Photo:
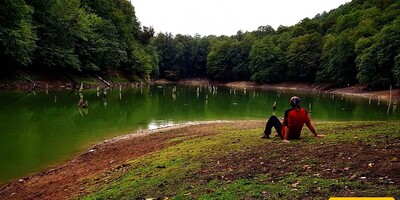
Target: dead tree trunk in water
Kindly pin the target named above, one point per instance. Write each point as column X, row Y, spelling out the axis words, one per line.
column 33, row 83
column 104, row 81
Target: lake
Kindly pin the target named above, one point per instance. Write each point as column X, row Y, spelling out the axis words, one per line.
column 42, row 129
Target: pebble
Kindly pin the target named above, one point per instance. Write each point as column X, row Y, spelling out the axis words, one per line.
column 353, row 176
column 295, row 184
column 306, row 167
column 316, row 175
column 91, row 150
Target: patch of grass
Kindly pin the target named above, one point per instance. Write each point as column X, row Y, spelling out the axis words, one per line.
column 178, row 139
column 289, row 187
column 363, row 131
column 239, row 189
column 301, row 187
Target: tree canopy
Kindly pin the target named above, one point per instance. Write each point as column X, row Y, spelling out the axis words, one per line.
column 358, row 42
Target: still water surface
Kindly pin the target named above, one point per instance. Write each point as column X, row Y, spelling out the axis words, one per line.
column 41, row 129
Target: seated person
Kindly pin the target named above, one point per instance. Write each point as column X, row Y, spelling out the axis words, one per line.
column 292, row 124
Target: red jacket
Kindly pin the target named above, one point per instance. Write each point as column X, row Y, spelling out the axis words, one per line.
column 294, row 119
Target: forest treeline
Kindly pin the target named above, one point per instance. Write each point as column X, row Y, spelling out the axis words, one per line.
column 358, row 42
column 72, row 36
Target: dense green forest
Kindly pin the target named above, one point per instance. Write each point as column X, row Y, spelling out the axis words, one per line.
column 359, row 42
column 71, row 36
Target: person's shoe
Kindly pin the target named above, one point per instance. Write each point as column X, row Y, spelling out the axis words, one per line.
column 265, row 136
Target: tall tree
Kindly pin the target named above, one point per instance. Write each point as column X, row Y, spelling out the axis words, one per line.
column 219, row 64
column 376, row 63
column 262, row 31
column 185, row 54
column 165, row 46
column 303, row 57
column 200, row 61
column 338, row 60
column 240, row 58
column 307, row 26
column 182, row 56
column 228, row 59
column 121, row 13
column 133, row 39
column 101, row 49
column 266, row 62
column 61, row 23
column 17, row 35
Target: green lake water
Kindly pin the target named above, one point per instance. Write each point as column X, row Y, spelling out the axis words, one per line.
column 42, row 129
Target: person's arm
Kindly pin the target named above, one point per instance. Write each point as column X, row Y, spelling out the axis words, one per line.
column 286, row 136
column 312, row 129
column 286, row 124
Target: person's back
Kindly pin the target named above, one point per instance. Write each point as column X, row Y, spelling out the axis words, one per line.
column 296, row 118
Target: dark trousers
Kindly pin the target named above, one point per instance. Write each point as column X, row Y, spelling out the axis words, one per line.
column 273, row 121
